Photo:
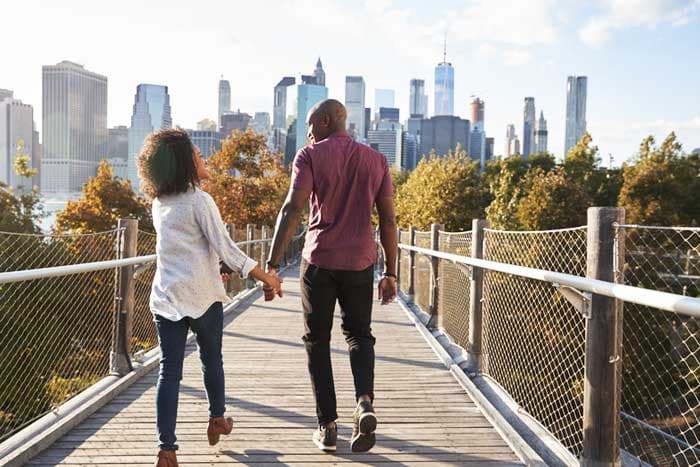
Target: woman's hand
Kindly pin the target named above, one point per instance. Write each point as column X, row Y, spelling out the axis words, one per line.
column 272, row 284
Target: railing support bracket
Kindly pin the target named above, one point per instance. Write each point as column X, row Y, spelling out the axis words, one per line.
column 581, row 301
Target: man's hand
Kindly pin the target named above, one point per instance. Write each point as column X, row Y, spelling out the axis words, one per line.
column 225, row 277
column 269, row 289
column 387, row 290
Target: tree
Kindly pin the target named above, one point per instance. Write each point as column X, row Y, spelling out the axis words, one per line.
column 552, row 201
column 105, row 199
column 506, row 193
column 661, row 187
column 445, row 190
column 21, row 210
column 248, row 182
column 582, row 164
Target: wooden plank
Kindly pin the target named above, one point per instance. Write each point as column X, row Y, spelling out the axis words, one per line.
column 425, row 417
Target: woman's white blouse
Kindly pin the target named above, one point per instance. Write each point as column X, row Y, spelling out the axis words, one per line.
column 191, row 237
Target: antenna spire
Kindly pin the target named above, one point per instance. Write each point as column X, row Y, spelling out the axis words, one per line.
column 444, row 49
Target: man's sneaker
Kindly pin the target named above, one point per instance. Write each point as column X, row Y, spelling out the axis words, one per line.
column 364, row 424
column 325, row 438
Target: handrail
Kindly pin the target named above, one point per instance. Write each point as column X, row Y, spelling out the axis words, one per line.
column 646, row 297
column 56, row 271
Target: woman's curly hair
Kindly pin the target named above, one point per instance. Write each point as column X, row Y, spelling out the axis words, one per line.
column 166, row 163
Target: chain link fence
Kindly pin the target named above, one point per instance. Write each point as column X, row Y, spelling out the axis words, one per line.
column 453, row 290
column 144, row 335
column 660, row 419
column 422, row 272
column 55, row 332
column 405, row 237
column 533, row 339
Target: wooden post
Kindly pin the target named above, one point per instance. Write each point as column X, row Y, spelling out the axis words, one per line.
column 119, row 356
column 263, row 253
column 411, row 265
column 476, row 293
column 231, row 228
column 398, row 259
column 603, row 371
column 250, row 236
column 434, row 264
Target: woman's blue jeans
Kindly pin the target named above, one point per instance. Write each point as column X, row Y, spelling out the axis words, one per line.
column 172, row 336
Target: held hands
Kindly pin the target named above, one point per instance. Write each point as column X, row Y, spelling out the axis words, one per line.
column 387, row 290
column 272, row 285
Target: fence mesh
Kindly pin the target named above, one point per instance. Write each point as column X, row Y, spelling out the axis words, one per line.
column 453, row 290
column 55, row 332
column 533, row 339
column 405, row 237
column 422, row 272
column 144, row 335
column 660, row 405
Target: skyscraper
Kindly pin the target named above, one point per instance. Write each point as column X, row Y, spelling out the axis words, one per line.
column 529, row 116
column 510, row 137
column 444, row 86
column 409, row 151
column 224, row 98
column 477, row 108
column 232, row 121
column 391, row 114
column 490, row 142
column 74, row 126
column 576, row 92
column 308, row 95
column 151, row 112
column 206, row 124
column 208, row 141
column 118, row 142
column 541, row 135
column 368, row 120
column 418, row 102
column 16, row 135
column 355, row 105
column 319, row 73
column 279, row 112
column 387, row 138
column 261, row 122
column 383, row 98
column 443, row 133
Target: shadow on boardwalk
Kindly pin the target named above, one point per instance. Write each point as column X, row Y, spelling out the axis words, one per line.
column 425, row 416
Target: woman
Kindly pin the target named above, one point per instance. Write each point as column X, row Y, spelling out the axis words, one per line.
column 187, row 292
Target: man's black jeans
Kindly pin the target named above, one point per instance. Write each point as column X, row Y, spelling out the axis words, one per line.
column 320, row 288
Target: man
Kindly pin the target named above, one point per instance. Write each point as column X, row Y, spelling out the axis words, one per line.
column 343, row 181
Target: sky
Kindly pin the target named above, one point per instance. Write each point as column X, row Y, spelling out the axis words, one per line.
column 642, row 58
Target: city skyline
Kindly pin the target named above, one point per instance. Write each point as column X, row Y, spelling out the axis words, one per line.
column 500, row 60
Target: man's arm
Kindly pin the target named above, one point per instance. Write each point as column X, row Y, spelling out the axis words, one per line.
column 287, row 222
column 390, row 243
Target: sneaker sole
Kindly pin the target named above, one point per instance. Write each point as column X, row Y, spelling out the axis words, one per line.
column 367, row 423
column 323, row 447
column 363, row 442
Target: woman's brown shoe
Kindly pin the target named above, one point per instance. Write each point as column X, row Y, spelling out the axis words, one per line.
column 166, row 459
column 218, row 426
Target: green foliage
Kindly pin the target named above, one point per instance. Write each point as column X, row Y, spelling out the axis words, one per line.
column 442, row 189
column 503, row 209
column 553, row 200
column 661, row 186
column 21, row 210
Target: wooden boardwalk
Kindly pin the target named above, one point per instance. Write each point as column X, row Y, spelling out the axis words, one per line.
column 425, row 417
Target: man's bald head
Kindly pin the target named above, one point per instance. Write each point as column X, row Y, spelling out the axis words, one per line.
column 325, row 118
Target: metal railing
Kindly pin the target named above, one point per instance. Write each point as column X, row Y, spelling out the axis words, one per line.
column 549, row 329
column 75, row 308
